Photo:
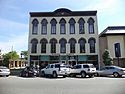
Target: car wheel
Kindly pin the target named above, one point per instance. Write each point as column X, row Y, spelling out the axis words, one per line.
column 54, row 74
column 96, row 75
column 7, row 75
column 64, row 76
column 91, row 75
column 116, row 74
column 42, row 74
column 83, row 74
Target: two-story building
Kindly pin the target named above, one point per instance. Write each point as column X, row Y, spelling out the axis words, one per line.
column 63, row 36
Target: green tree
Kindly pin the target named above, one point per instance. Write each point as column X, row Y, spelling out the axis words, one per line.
column 10, row 55
column 25, row 54
column 107, row 60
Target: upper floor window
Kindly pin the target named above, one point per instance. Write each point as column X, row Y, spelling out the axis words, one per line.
column 34, row 43
column 82, row 43
column 53, row 26
column 62, row 26
column 53, row 45
column 81, row 26
column 44, row 26
column 92, row 42
column 72, row 43
column 62, row 45
column 35, row 26
column 91, row 25
column 43, row 45
column 117, row 50
column 72, row 26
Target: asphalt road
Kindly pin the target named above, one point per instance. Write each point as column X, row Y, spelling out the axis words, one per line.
column 96, row 85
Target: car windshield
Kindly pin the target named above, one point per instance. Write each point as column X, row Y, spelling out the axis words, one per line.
column 1, row 67
column 117, row 67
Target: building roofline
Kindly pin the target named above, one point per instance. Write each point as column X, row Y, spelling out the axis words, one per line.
column 103, row 33
column 63, row 12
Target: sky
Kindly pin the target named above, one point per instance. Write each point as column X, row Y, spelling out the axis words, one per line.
column 14, row 17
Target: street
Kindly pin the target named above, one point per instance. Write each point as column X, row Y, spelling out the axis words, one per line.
column 96, row 85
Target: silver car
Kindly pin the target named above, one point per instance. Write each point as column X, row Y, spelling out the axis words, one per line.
column 4, row 71
column 111, row 70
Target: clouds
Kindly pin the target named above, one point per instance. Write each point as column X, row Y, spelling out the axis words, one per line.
column 10, row 28
column 13, row 34
column 14, row 15
column 19, row 43
column 102, row 5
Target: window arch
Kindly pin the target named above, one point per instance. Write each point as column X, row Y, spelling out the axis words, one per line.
column 62, row 26
column 53, row 45
column 53, row 26
column 91, row 25
column 117, row 50
column 81, row 26
column 72, row 26
column 34, row 43
column 43, row 45
column 92, row 42
column 82, row 43
column 72, row 43
column 62, row 45
column 35, row 26
column 44, row 26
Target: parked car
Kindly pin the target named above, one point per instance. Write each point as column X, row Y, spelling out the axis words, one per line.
column 4, row 71
column 111, row 70
column 28, row 72
column 55, row 70
column 83, row 70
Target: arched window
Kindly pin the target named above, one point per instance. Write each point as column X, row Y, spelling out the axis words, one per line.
column 34, row 43
column 62, row 26
column 62, row 45
column 72, row 26
column 117, row 50
column 92, row 42
column 82, row 43
column 43, row 45
column 91, row 25
column 53, row 45
column 44, row 26
column 53, row 26
column 81, row 26
column 72, row 42
column 35, row 26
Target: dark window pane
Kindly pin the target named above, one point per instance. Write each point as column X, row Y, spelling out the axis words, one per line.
column 85, row 66
column 117, row 50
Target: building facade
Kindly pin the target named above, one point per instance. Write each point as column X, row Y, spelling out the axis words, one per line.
column 113, row 39
column 17, row 64
column 63, row 36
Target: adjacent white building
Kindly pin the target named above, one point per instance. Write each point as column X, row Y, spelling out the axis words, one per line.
column 113, row 39
column 63, row 35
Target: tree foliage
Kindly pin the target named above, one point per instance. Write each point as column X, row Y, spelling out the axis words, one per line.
column 107, row 60
column 10, row 55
